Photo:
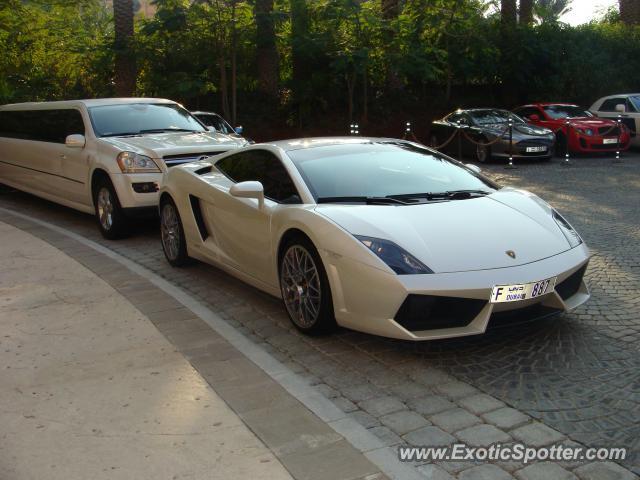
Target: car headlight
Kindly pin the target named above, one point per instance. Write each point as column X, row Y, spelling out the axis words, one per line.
column 585, row 131
column 398, row 259
column 571, row 235
column 130, row 162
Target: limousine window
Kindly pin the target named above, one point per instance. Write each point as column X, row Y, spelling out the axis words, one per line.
column 141, row 118
column 41, row 125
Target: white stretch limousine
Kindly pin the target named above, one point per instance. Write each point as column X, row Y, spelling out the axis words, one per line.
column 103, row 156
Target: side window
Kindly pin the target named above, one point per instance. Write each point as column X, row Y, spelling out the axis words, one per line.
column 630, row 106
column 41, row 125
column 528, row 111
column 264, row 167
column 610, row 104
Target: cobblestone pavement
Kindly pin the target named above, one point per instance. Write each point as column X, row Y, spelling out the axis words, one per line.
column 575, row 378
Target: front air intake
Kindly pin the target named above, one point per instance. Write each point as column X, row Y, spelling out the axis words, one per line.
column 428, row 312
column 570, row 286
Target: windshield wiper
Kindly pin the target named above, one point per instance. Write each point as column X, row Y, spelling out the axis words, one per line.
column 367, row 200
column 448, row 195
column 123, row 134
column 163, row 130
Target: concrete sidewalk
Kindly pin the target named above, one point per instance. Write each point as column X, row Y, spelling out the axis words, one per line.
column 89, row 389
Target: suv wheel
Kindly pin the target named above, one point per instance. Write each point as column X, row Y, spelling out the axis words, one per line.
column 112, row 221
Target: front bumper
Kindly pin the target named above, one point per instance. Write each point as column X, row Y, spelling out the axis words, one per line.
column 371, row 301
column 502, row 149
column 593, row 144
column 126, row 186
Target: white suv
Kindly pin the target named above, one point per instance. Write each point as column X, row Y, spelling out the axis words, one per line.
column 103, row 156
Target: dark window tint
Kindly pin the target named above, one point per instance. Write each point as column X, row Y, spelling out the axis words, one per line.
column 528, row 111
column 264, row 167
column 215, row 121
column 610, row 105
column 41, row 125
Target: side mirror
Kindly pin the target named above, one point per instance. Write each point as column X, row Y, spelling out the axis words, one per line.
column 534, row 117
column 249, row 189
column 75, row 141
column 473, row 167
column 239, row 129
column 621, row 108
column 211, row 128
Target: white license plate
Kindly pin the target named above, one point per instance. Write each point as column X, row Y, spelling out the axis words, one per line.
column 536, row 149
column 524, row 291
column 609, row 141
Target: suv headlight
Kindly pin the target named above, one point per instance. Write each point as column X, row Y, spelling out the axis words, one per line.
column 130, row 162
column 571, row 235
column 398, row 259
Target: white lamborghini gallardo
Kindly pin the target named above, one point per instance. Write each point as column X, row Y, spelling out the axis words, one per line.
column 378, row 235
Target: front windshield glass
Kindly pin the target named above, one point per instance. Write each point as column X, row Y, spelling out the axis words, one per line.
column 493, row 117
column 381, row 169
column 216, row 121
column 140, row 118
column 565, row 111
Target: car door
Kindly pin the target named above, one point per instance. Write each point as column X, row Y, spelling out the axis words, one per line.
column 74, row 161
column 242, row 228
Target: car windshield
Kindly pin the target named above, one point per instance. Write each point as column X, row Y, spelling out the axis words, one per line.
column 493, row 117
column 382, row 169
column 565, row 111
column 216, row 121
column 140, row 118
column 635, row 100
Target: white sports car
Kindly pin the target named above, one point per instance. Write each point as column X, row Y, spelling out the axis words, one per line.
column 378, row 235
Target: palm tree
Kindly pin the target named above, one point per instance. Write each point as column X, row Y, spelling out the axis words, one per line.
column 630, row 12
column 125, row 68
column 550, row 11
column 526, row 12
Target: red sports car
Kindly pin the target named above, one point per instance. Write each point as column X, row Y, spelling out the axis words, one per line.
column 586, row 132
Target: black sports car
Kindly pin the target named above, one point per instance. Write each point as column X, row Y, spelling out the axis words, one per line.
column 484, row 133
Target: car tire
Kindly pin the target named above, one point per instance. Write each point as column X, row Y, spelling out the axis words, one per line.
column 483, row 152
column 174, row 243
column 111, row 219
column 305, row 288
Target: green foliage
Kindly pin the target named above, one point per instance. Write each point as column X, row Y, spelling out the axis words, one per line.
column 334, row 57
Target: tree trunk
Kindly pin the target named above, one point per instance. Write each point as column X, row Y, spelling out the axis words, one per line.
column 526, row 12
column 234, row 62
column 224, row 88
column 266, row 50
column 390, row 12
column 125, row 64
column 630, row 11
column 300, row 61
column 508, row 12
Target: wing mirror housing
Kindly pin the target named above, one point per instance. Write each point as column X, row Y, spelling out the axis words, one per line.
column 75, row 141
column 621, row 108
column 249, row 189
column 534, row 117
column 473, row 167
column 239, row 129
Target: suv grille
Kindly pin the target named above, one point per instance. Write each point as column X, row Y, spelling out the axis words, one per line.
column 173, row 160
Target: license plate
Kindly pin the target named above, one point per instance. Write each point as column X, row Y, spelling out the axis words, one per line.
column 536, row 149
column 609, row 141
column 524, row 291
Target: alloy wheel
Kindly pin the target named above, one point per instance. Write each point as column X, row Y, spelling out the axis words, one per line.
column 105, row 208
column 300, row 284
column 170, row 231
column 482, row 153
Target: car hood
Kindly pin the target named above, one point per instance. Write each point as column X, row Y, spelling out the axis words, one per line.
column 461, row 235
column 157, row 145
column 590, row 122
column 519, row 130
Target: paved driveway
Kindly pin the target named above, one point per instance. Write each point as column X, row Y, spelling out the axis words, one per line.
column 572, row 378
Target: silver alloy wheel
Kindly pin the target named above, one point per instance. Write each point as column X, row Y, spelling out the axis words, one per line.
column 300, row 284
column 105, row 208
column 482, row 153
column 170, row 231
